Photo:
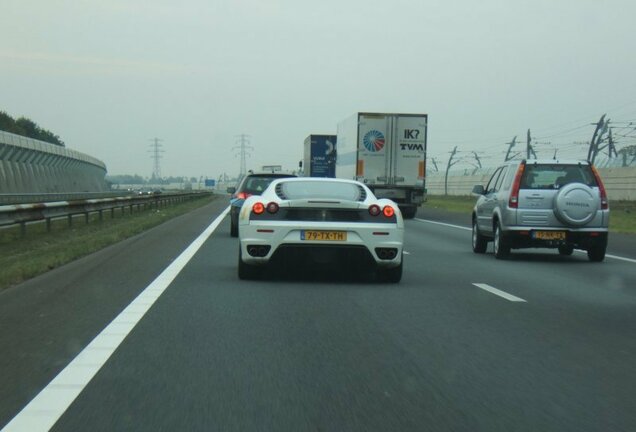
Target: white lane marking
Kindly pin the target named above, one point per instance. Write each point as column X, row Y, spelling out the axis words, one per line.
column 444, row 224
column 616, row 257
column 407, row 253
column 499, row 293
column 48, row 406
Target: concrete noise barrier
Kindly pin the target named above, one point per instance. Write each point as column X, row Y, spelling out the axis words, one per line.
column 620, row 182
column 33, row 166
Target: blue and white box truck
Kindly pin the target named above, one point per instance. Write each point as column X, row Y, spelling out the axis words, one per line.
column 319, row 158
column 387, row 152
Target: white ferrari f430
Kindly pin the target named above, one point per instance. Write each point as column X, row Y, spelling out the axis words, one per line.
column 319, row 222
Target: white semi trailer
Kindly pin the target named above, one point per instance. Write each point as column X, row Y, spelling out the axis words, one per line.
column 387, row 152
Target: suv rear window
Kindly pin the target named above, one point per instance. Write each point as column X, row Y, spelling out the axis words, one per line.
column 547, row 176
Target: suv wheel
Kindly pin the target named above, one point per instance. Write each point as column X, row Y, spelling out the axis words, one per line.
column 480, row 243
column 566, row 250
column 596, row 253
column 501, row 243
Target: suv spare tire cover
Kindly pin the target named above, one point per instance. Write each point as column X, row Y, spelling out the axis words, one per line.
column 576, row 204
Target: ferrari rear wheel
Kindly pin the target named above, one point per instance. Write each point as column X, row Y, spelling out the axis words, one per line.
column 247, row 271
column 391, row 275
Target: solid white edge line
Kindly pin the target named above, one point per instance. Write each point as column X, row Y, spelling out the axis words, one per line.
column 443, row 224
column 616, row 257
column 47, row 407
column 499, row 293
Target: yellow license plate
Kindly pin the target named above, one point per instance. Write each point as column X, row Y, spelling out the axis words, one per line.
column 323, row 235
column 549, row 235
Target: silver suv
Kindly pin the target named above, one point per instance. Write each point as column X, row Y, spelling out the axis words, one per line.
column 542, row 203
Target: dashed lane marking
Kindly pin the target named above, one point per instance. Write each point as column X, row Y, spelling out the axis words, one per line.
column 499, row 293
column 443, row 224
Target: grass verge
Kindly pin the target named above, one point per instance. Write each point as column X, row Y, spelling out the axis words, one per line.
column 22, row 258
column 623, row 216
column 622, row 213
column 458, row 204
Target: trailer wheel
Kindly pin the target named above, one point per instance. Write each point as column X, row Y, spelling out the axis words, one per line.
column 408, row 212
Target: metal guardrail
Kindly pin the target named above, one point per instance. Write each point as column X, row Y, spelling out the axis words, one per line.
column 6, row 199
column 22, row 214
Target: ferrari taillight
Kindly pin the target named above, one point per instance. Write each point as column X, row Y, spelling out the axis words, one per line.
column 374, row 210
column 258, row 208
column 272, row 207
column 388, row 211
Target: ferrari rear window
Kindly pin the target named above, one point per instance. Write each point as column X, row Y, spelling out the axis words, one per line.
column 312, row 189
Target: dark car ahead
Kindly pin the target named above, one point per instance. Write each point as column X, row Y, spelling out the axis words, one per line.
column 251, row 184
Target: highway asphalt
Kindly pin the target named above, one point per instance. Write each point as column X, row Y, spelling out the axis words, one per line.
column 465, row 342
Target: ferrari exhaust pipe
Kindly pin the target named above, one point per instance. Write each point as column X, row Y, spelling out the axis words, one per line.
column 258, row 251
column 386, row 253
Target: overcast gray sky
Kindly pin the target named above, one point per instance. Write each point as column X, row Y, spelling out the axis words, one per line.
column 109, row 75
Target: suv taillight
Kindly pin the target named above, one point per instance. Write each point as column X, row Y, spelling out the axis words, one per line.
column 243, row 195
column 513, row 202
column 601, row 188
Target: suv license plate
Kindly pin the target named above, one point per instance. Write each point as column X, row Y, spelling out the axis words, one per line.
column 323, row 235
column 549, row 235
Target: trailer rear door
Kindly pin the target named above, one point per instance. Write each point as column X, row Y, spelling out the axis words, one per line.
column 409, row 152
column 373, row 148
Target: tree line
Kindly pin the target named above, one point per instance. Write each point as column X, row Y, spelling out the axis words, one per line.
column 27, row 128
